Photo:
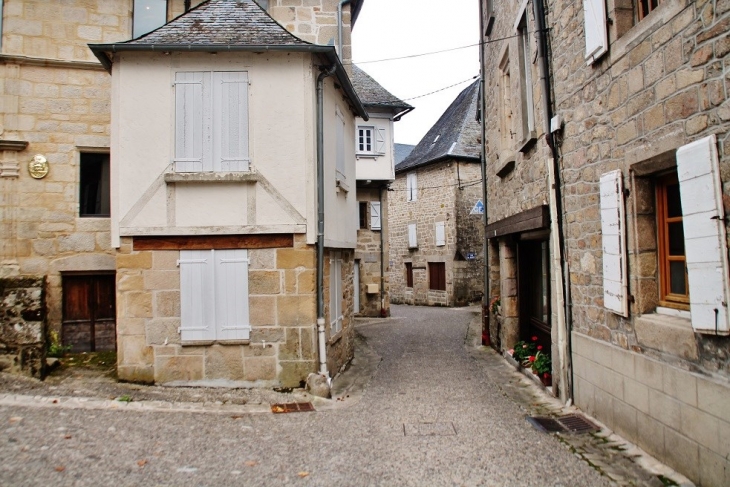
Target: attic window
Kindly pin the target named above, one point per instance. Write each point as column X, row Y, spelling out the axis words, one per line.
column 148, row 16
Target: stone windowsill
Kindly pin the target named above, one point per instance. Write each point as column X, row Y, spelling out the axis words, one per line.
column 672, row 335
column 206, row 343
column 211, row 177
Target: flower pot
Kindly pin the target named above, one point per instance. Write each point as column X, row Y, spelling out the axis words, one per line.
column 546, row 379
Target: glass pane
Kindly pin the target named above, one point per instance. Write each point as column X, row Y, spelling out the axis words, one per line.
column 674, row 203
column 677, row 284
column 148, row 15
column 676, row 238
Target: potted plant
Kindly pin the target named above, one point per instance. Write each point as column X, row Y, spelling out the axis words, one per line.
column 523, row 351
column 495, row 305
column 542, row 367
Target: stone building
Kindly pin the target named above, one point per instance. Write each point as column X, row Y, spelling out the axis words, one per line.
column 436, row 233
column 376, row 155
column 639, row 115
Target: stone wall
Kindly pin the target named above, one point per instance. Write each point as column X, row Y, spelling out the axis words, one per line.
column 436, row 202
column 469, row 260
column 663, row 84
column 282, row 348
column 22, row 326
column 368, row 255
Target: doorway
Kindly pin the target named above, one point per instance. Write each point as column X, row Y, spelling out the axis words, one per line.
column 534, row 291
column 89, row 312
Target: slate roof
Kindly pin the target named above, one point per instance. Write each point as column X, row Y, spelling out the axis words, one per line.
column 221, row 22
column 456, row 135
column 372, row 94
column 402, row 151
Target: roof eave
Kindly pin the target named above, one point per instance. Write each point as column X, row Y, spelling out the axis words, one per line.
column 101, row 52
column 441, row 158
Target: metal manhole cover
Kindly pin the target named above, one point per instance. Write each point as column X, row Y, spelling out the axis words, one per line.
column 292, row 407
column 571, row 423
column 429, row 429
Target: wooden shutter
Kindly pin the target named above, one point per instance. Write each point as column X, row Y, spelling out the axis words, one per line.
column 704, row 235
column 231, row 294
column 340, row 153
column 412, row 240
column 411, row 187
column 595, row 29
column 197, row 315
column 440, row 234
column 230, row 127
column 615, row 282
column 192, row 121
column 375, row 221
column 379, row 140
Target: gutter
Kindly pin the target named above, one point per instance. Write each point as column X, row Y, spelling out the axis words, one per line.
column 483, row 162
column 383, row 313
column 102, row 51
column 404, row 112
column 556, row 212
column 322, row 339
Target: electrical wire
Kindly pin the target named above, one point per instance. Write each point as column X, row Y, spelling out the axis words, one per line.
column 463, row 185
column 439, row 90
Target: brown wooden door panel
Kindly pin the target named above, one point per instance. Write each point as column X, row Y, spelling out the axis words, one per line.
column 89, row 312
column 105, row 298
column 76, row 298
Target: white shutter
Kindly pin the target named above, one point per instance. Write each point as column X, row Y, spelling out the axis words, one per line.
column 412, row 240
column 192, row 127
column 375, row 222
column 379, row 140
column 595, row 29
column 335, row 294
column 231, row 294
column 411, row 187
column 230, row 127
column 615, row 281
column 704, row 235
column 196, row 295
column 340, row 154
column 440, row 234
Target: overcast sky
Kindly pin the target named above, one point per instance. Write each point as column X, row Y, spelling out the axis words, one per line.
column 395, row 28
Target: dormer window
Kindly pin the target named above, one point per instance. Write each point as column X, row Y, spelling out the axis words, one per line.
column 148, row 16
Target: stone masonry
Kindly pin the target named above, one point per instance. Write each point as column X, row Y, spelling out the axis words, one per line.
column 282, row 348
column 22, row 326
column 368, row 255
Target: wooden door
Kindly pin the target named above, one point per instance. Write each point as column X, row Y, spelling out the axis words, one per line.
column 89, row 312
column 534, row 291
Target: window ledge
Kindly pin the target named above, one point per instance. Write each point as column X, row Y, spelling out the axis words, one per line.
column 366, row 155
column 205, row 343
column 528, row 142
column 211, row 177
column 342, row 185
column 669, row 334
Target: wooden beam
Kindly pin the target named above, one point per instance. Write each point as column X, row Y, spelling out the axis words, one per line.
column 533, row 219
column 217, row 242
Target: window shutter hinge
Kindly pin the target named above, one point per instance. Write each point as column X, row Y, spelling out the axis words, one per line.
column 179, row 330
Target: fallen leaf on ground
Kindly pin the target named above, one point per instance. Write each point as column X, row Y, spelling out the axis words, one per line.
column 251, row 463
column 141, row 463
column 303, row 474
column 15, row 419
column 60, row 469
column 67, row 437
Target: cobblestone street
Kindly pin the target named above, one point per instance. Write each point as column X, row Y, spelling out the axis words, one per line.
column 438, row 410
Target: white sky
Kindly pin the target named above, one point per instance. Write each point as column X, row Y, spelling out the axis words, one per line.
column 394, row 28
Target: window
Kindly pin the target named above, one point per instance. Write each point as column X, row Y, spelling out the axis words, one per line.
column 645, row 7
column 214, row 295
column 528, row 110
column 440, row 234
column 148, row 15
column 505, row 92
column 489, row 18
column 375, row 220
column 412, row 238
column 94, row 185
column 409, row 274
column 336, row 316
column 437, row 276
column 340, row 125
column 365, row 140
column 211, row 121
column 363, row 214
column 411, row 187
column 670, row 231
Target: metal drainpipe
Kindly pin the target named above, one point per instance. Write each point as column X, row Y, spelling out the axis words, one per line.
column 539, row 11
column 383, row 314
column 320, row 221
column 339, row 26
column 483, row 161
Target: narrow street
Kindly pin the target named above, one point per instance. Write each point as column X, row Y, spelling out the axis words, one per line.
column 433, row 414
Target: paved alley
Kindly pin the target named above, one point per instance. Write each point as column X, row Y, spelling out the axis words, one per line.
column 432, row 414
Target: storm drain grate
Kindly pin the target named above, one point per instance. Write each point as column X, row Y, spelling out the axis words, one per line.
column 571, row 423
column 429, row 429
column 292, row 407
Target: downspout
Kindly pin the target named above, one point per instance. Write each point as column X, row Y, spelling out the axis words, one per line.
column 339, row 26
column 383, row 313
column 483, row 162
column 322, row 339
column 563, row 310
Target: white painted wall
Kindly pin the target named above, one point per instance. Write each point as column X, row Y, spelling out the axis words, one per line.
column 282, row 102
column 378, row 167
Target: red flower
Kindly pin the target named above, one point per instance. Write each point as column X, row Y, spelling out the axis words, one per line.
column 532, row 358
column 546, row 375
column 539, row 347
column 534, row 339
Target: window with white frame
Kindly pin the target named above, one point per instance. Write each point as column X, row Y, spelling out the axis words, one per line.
column 211, row 121
column 336, row 314
column 411, row 187
column 365, row 140
column 214, row 295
